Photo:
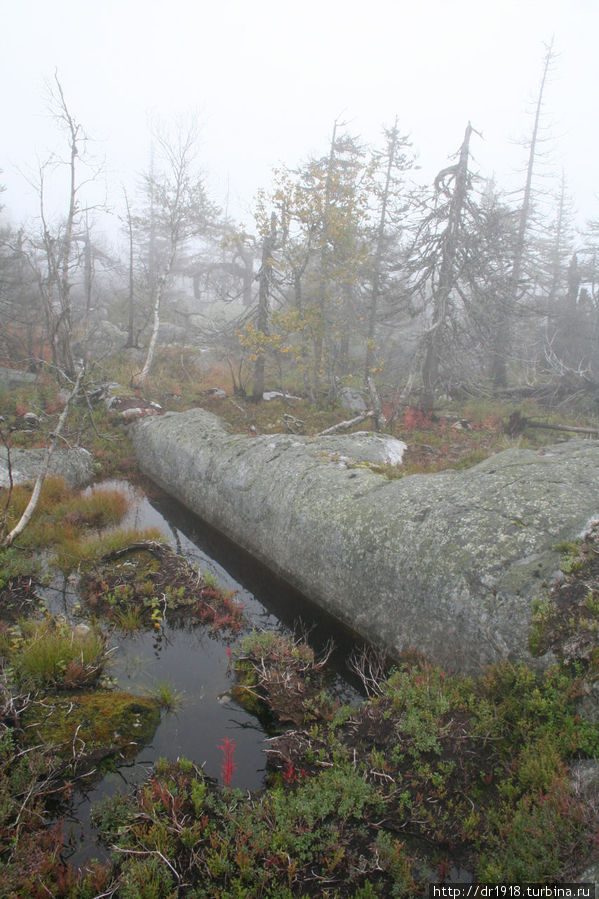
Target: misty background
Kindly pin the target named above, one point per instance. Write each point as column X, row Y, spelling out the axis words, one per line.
column 268, row 79
column 314, row 192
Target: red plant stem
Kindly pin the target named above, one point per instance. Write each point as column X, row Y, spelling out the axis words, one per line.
column 227, row 748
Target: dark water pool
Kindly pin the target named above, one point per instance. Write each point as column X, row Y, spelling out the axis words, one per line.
column 196, row 663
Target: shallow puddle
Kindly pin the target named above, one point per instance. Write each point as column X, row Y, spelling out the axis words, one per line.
column 195, row 663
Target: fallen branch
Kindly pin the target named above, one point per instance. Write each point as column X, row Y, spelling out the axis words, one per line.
column 345, row 425
column 292, row 423
column 518, row 422
column 594, row 432
column 237, row 406
column 151, row 546
column 54, row 438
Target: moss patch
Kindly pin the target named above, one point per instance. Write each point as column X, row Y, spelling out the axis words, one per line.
column 102, row 722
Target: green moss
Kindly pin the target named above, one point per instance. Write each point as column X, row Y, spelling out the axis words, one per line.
column 244, row 691
column 566, row 616
column 137, row 583
column 474, row 768
column 103, row 721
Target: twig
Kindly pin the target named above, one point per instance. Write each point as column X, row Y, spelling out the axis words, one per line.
column 370, row 666
column 147, row 852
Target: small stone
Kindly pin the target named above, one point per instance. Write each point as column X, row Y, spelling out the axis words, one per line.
column 31, row 419
column 81, row 631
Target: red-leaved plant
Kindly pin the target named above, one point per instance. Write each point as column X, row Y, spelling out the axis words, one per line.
column 228, row 768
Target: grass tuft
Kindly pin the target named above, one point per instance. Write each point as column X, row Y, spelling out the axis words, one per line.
column 50, row 653
column 167, row 696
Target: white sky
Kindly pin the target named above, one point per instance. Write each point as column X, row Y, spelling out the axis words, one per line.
column 269, row 77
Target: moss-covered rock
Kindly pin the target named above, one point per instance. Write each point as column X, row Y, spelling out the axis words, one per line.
column 100, row 722
column 446, row 563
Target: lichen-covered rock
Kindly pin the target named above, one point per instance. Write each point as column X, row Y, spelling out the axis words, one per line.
column 352, row 399
column 362, row 446
column 75, row 465
column 446, row 563
column 12, row 379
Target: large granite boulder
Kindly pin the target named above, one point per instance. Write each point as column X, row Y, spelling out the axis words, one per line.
column 75, row 465
column 446, row 563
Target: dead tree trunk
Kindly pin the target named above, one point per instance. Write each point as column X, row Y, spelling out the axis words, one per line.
column 447, row 273
column 503, row 324
column 265, row 281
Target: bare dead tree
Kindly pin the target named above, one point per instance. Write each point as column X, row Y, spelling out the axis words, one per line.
column 180, row 210
column 131, row 279
column 443, row 267
column 53, row 254
column 58, row 247
column 503, row 325
column 264, row 282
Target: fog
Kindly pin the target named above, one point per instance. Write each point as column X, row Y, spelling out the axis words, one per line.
column 456, row 252
column 268, row 79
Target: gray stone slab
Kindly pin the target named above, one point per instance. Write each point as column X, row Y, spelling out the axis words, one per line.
column 446, row 563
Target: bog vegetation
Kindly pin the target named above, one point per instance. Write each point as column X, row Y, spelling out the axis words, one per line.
column 430, row 776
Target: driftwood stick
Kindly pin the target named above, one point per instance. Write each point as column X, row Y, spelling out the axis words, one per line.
column 151, row 546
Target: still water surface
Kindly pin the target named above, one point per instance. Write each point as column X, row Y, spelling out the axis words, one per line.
column 196, row 663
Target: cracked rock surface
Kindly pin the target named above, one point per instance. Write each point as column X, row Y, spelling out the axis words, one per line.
column 446, row 563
